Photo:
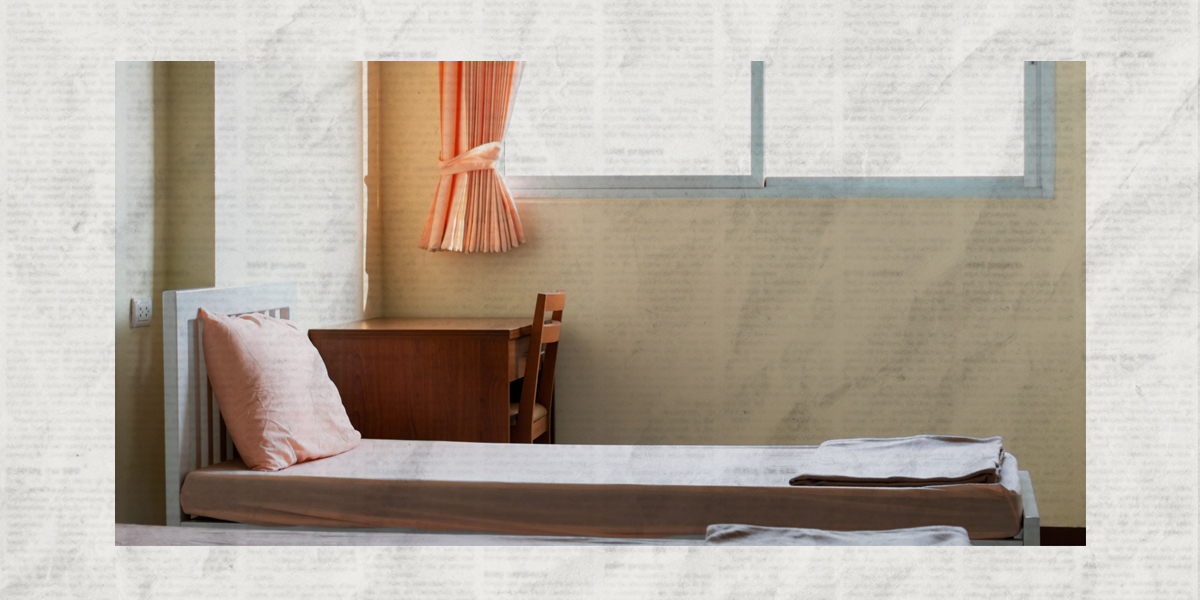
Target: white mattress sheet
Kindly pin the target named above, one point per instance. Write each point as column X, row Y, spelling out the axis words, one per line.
column 400, row 460
column 583, row 490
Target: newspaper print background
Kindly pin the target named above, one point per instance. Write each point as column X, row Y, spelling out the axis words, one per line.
column 56, row 214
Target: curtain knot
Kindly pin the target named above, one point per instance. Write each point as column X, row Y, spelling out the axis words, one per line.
column 479, row 158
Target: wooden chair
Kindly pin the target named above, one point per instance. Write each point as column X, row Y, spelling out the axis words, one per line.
column 529, row 419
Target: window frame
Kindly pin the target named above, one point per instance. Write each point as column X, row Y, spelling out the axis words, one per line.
column 1036, row 182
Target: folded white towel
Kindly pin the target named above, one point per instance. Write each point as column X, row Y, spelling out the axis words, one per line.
column 753, row 535
column 918, row 460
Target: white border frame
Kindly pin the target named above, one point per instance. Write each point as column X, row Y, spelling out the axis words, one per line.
column 1037, row 182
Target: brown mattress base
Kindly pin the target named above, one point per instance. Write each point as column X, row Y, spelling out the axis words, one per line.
column 608, row 491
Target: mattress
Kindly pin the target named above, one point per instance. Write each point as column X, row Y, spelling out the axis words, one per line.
column 580, row 490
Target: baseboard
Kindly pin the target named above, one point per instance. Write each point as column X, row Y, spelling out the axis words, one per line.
column 1064, row 536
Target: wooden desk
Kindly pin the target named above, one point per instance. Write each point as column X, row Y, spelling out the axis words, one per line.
column 427, row 379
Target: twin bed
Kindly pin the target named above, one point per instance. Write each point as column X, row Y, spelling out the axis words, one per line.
column 457, row 493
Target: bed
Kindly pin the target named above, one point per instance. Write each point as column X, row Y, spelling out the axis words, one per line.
column 525, row 493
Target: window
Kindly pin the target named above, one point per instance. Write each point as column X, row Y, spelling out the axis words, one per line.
column 721, row 176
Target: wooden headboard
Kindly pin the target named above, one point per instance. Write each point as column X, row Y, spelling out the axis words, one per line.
column 194, row 431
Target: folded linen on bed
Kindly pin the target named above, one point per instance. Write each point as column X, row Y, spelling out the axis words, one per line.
column 753, row 535
column 913, row 461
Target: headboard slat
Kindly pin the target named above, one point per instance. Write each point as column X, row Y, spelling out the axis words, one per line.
column 210, row 432
column 218, row 430
column 226, row 442
column 204, row 404
column 200, row 375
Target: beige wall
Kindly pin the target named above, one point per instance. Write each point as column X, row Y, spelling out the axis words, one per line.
column 164, row 240
column 781, row 321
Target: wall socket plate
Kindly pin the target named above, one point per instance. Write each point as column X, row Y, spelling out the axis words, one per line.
column 141, row 310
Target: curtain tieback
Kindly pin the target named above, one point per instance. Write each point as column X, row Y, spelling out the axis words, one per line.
column 479, row 158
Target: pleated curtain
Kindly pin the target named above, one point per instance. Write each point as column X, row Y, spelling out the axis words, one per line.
column 473, row 210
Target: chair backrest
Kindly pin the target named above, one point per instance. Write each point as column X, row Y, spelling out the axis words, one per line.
column 539, row 367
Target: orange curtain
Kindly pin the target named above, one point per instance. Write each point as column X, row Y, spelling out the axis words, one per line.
column 473, row 211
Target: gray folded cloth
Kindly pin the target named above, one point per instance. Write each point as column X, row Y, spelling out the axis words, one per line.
column 753, row 535
column 914, row 461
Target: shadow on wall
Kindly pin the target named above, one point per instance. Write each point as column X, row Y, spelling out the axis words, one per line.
column 164, row 240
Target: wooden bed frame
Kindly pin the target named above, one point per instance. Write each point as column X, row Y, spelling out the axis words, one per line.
column 195, row 433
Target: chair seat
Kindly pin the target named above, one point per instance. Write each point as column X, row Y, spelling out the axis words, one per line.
column 539, row 412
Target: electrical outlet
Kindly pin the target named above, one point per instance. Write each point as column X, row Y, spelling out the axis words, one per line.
column 141, row 310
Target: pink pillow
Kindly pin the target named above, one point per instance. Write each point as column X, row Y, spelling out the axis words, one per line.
column 276, row 397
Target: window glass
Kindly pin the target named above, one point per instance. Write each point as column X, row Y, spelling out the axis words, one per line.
column 893, row 108
column 581, row 116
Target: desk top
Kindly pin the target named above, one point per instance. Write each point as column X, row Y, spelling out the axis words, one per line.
column 503, row 327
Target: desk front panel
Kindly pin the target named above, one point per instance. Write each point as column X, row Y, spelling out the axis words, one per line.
column 422, row 387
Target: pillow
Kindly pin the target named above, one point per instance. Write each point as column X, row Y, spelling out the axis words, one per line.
column 275, row 395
